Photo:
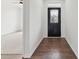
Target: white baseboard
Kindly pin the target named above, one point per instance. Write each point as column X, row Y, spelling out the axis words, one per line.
column 72, row 48
column 26, row 56
column 54, row 37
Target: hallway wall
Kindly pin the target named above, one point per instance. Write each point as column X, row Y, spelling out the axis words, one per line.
column 32, row 26
column 35, row 24
column 71, row 17
column 26, row 28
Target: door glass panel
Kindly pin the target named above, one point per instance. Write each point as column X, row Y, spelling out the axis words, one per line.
column 54, row 16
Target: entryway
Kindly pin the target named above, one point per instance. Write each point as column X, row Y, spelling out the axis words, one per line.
column 54, row 22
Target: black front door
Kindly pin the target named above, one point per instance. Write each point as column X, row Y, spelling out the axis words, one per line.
column 54, row 22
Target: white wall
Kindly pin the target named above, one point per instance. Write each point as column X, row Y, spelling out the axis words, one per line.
column 35, row 23
column 26, row 28
column 52, row 3
column 11, row 16
column 71, row 17
column 32, row 26
column 3, row 17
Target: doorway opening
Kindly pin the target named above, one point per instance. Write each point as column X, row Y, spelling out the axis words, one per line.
column 12, row 27
column 54, row 22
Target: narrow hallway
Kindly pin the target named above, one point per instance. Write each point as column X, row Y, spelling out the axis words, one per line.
column 56, row 48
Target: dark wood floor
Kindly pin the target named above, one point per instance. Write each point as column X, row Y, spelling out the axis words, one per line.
column 56, row 48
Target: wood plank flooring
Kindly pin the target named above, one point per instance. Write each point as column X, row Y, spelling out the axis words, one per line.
column 56, row 48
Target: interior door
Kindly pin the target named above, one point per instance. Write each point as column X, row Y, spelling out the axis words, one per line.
column 54, row 22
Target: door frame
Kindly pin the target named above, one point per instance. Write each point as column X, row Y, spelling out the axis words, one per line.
column 59, row 8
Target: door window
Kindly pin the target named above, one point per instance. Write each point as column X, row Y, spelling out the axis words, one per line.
column 54, row 16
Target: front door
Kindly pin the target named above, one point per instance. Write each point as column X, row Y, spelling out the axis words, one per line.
column 54, row 22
